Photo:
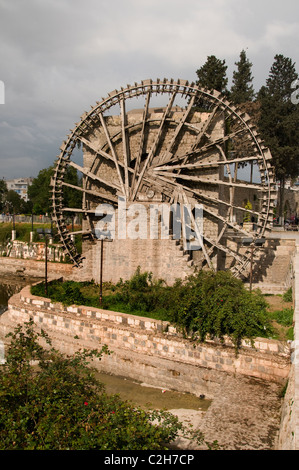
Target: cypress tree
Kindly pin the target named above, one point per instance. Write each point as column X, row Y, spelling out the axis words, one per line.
column 212, row 75
column 242, row 89
column 279, row 122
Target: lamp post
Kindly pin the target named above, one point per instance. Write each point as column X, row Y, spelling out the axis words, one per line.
column 46, row 233
column 101, row 272
column 101, row 237
column 252, row 243
column 31, row 233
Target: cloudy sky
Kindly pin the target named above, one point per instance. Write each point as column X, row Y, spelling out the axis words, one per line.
column 58, row 57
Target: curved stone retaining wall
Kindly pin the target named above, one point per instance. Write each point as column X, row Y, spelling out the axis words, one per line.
column 147, row 350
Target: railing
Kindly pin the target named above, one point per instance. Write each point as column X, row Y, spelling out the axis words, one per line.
column 37, row 219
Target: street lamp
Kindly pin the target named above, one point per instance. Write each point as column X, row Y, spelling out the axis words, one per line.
column 46, row 233
column 252, row 243
column 107, row 238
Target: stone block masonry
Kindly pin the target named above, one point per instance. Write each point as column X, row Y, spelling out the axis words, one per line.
column 147, row 350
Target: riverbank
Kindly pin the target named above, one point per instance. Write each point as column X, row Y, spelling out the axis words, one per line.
column 29, row 268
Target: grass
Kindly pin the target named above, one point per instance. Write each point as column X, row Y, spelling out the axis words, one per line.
column 281, row 313
column 23, row 233
column 88, row 293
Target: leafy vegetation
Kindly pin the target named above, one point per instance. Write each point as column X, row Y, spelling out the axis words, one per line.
column 60, row 405
column 38, row 191
column 288, row 295
column 208, row 304
column 22, row 229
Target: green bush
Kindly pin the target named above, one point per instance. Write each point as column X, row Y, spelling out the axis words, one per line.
column 58, row 404
column 218, row 305
column 208, row 304
column 140, row 293
column 68, row 292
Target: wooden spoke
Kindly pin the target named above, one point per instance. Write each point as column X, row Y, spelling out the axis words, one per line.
column 93, row 176
column 126, row 149
column 115, row 159
column 155, row 145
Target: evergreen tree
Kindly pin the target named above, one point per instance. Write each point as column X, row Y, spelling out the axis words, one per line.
column 212, row 75
column 242, row 89
column 39, row 190
column 3, row 192
column 279, row 122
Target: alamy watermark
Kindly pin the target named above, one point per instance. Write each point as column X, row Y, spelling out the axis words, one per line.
column 155, row 221
column 2, row 92
column 295, row 94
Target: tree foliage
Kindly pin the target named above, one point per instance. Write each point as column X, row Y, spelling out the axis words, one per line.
column 212, row 75
column 217, row 305
column 13, row 203
column 58, row 404
column 279, row 120
column 242, row 88
column 3, row 192
column 39, row 190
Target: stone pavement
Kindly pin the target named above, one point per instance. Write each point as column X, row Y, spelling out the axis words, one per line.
column 244, row 415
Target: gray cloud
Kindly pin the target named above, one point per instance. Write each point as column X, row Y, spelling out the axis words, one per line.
column 58, row 57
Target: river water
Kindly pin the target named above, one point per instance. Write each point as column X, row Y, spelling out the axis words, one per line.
column 140, row 394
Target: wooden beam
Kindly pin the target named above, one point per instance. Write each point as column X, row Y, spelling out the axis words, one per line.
column 199, row 179
column 178, row 130
column 142, row 138
column 210, row 164
column 155, row 144
column 91, row 192
column 125, row 144
column 93, row 176
column 115, row 159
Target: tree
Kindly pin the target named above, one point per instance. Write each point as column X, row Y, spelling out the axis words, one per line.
column 13, row 203
column 58, row 404
column 72, row 197
column 212, row 75
column 242, row 89
column 39, row 190
column 3, row 192
column 279, row 121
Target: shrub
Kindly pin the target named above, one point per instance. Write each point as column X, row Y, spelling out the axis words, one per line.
column 60, row 405
column 218, row 305
column 207, row 304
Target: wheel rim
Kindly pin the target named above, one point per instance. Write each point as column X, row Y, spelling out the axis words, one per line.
column 210, row 172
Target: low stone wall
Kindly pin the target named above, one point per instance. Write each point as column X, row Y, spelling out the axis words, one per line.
column 148, row 350
column 36, row 268
column 33, row 251
column 289, row 428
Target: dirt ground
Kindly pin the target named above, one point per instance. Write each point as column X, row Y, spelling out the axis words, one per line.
column 276, row 302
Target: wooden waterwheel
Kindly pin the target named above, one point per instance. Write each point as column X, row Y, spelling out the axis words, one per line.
column 182, row 145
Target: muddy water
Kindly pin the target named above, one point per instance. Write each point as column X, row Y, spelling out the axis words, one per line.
column 151, row 397
column 10, row 285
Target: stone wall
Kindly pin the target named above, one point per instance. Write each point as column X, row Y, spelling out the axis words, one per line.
column 36, row 269
column 148, row 350
column 164, row 258
column 289, row 429
column 33, row 251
